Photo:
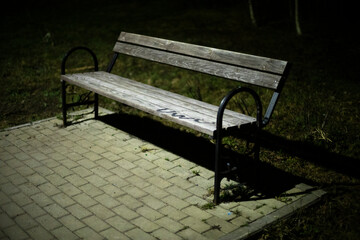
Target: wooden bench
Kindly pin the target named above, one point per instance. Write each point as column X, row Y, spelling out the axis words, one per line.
column 215, row 121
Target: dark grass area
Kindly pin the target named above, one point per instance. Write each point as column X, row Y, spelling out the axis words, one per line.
column 314, row 133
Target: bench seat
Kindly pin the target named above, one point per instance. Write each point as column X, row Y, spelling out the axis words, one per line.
column 189, row 112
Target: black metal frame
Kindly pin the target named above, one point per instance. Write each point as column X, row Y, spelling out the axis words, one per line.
column 65, row 105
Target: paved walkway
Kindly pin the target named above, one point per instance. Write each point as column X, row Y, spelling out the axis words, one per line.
column 93, row 181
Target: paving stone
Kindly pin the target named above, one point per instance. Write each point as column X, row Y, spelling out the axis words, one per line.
column 34, row 210
column 48, row 222
column 130, row 202
column 56, row 179
column 223, row 225
column 111, row 233
column 91, row 190
column 101, row 172
column 88, row 233
column 163, row 233
column 196, row 224
column 39, row 233
column 138, row 181
column 169, row 224
column 106, row 164
column 96, row 180
column 64, row 233
column 175, row 202
column 178, row 192
column 71, row 222
column 112, row 190
column 14, row 232
column 213, row 234
column 81, row 171
column 145, row 224
column 76, row 180
column 69, row 189
column 156, row 192
column 78, row 211
column 134, row 191
column 5, row 221
column 139, row 234
column 125, row 212
column 43, row 170
column 25, row 221
column 41, row 199
column 101, row 211
column 107, row 201
column 63, row 200
column 96, row 223
column 56, row 211
column 116, row 181
column 48, row 189
column 9, row 188
column 196, row 212
column 12, row 209
column 149, row 213
column 153, row 202
column 62, row 171
column 173, row 213
column 189, row 233
column 159, row 182
column 120, row 224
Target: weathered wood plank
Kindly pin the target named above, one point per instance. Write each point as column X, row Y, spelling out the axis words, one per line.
column 214, row 54
column 172, row 98
column 213, row 68
column 151, row 104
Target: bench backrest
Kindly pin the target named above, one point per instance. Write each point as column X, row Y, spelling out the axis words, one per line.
column 255, row 70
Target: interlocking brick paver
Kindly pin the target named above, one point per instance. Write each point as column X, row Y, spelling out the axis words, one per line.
column 107, row 201
column 14, row 232
column 91, row 190
column 125, row 212
column 137, row 233
column 39, row 233
column 12, row 209
column 101, row 211
column 25, row 221
column 78, row 211
column 96, row 223
column 63, row 233
column 175, row 202
column 145, row 224
column 41, row 199
column 71, row 222
column 111, row 233
column 120, row 224
column 169, row 224
column 173, row 213
column 48, row 222
column 88, row 233
column 63, row 200
column 163, row 233
column 196, row 224
column 56, row 211
column 34, row 210
column 69, row 189
column 5, row 221
column 93, row 181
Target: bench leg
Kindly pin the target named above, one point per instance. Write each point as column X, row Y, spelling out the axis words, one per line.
column 64, row 106
column 218, row 177
column 96, row 105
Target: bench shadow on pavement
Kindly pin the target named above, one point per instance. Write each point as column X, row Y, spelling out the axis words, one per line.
column 258, row 176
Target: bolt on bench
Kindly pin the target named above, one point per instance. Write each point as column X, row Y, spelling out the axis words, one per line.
column 215, row 121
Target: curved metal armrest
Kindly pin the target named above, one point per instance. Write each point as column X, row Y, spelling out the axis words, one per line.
column 227, row 98
column 96, row 68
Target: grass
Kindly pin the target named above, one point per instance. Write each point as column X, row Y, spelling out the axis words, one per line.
column 317, row 117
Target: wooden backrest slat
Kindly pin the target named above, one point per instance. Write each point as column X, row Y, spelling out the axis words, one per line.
column 213, row 54
column 232, row 72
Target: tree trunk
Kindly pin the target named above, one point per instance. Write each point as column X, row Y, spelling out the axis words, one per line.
column 297, row 23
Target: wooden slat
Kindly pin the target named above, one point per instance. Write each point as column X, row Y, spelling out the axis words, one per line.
column 213, row 68
column 214, row 54
column 172, row 99
column 123, row 92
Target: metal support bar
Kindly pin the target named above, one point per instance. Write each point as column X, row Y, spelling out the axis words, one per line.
column 65, row 106
column 219, row 134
